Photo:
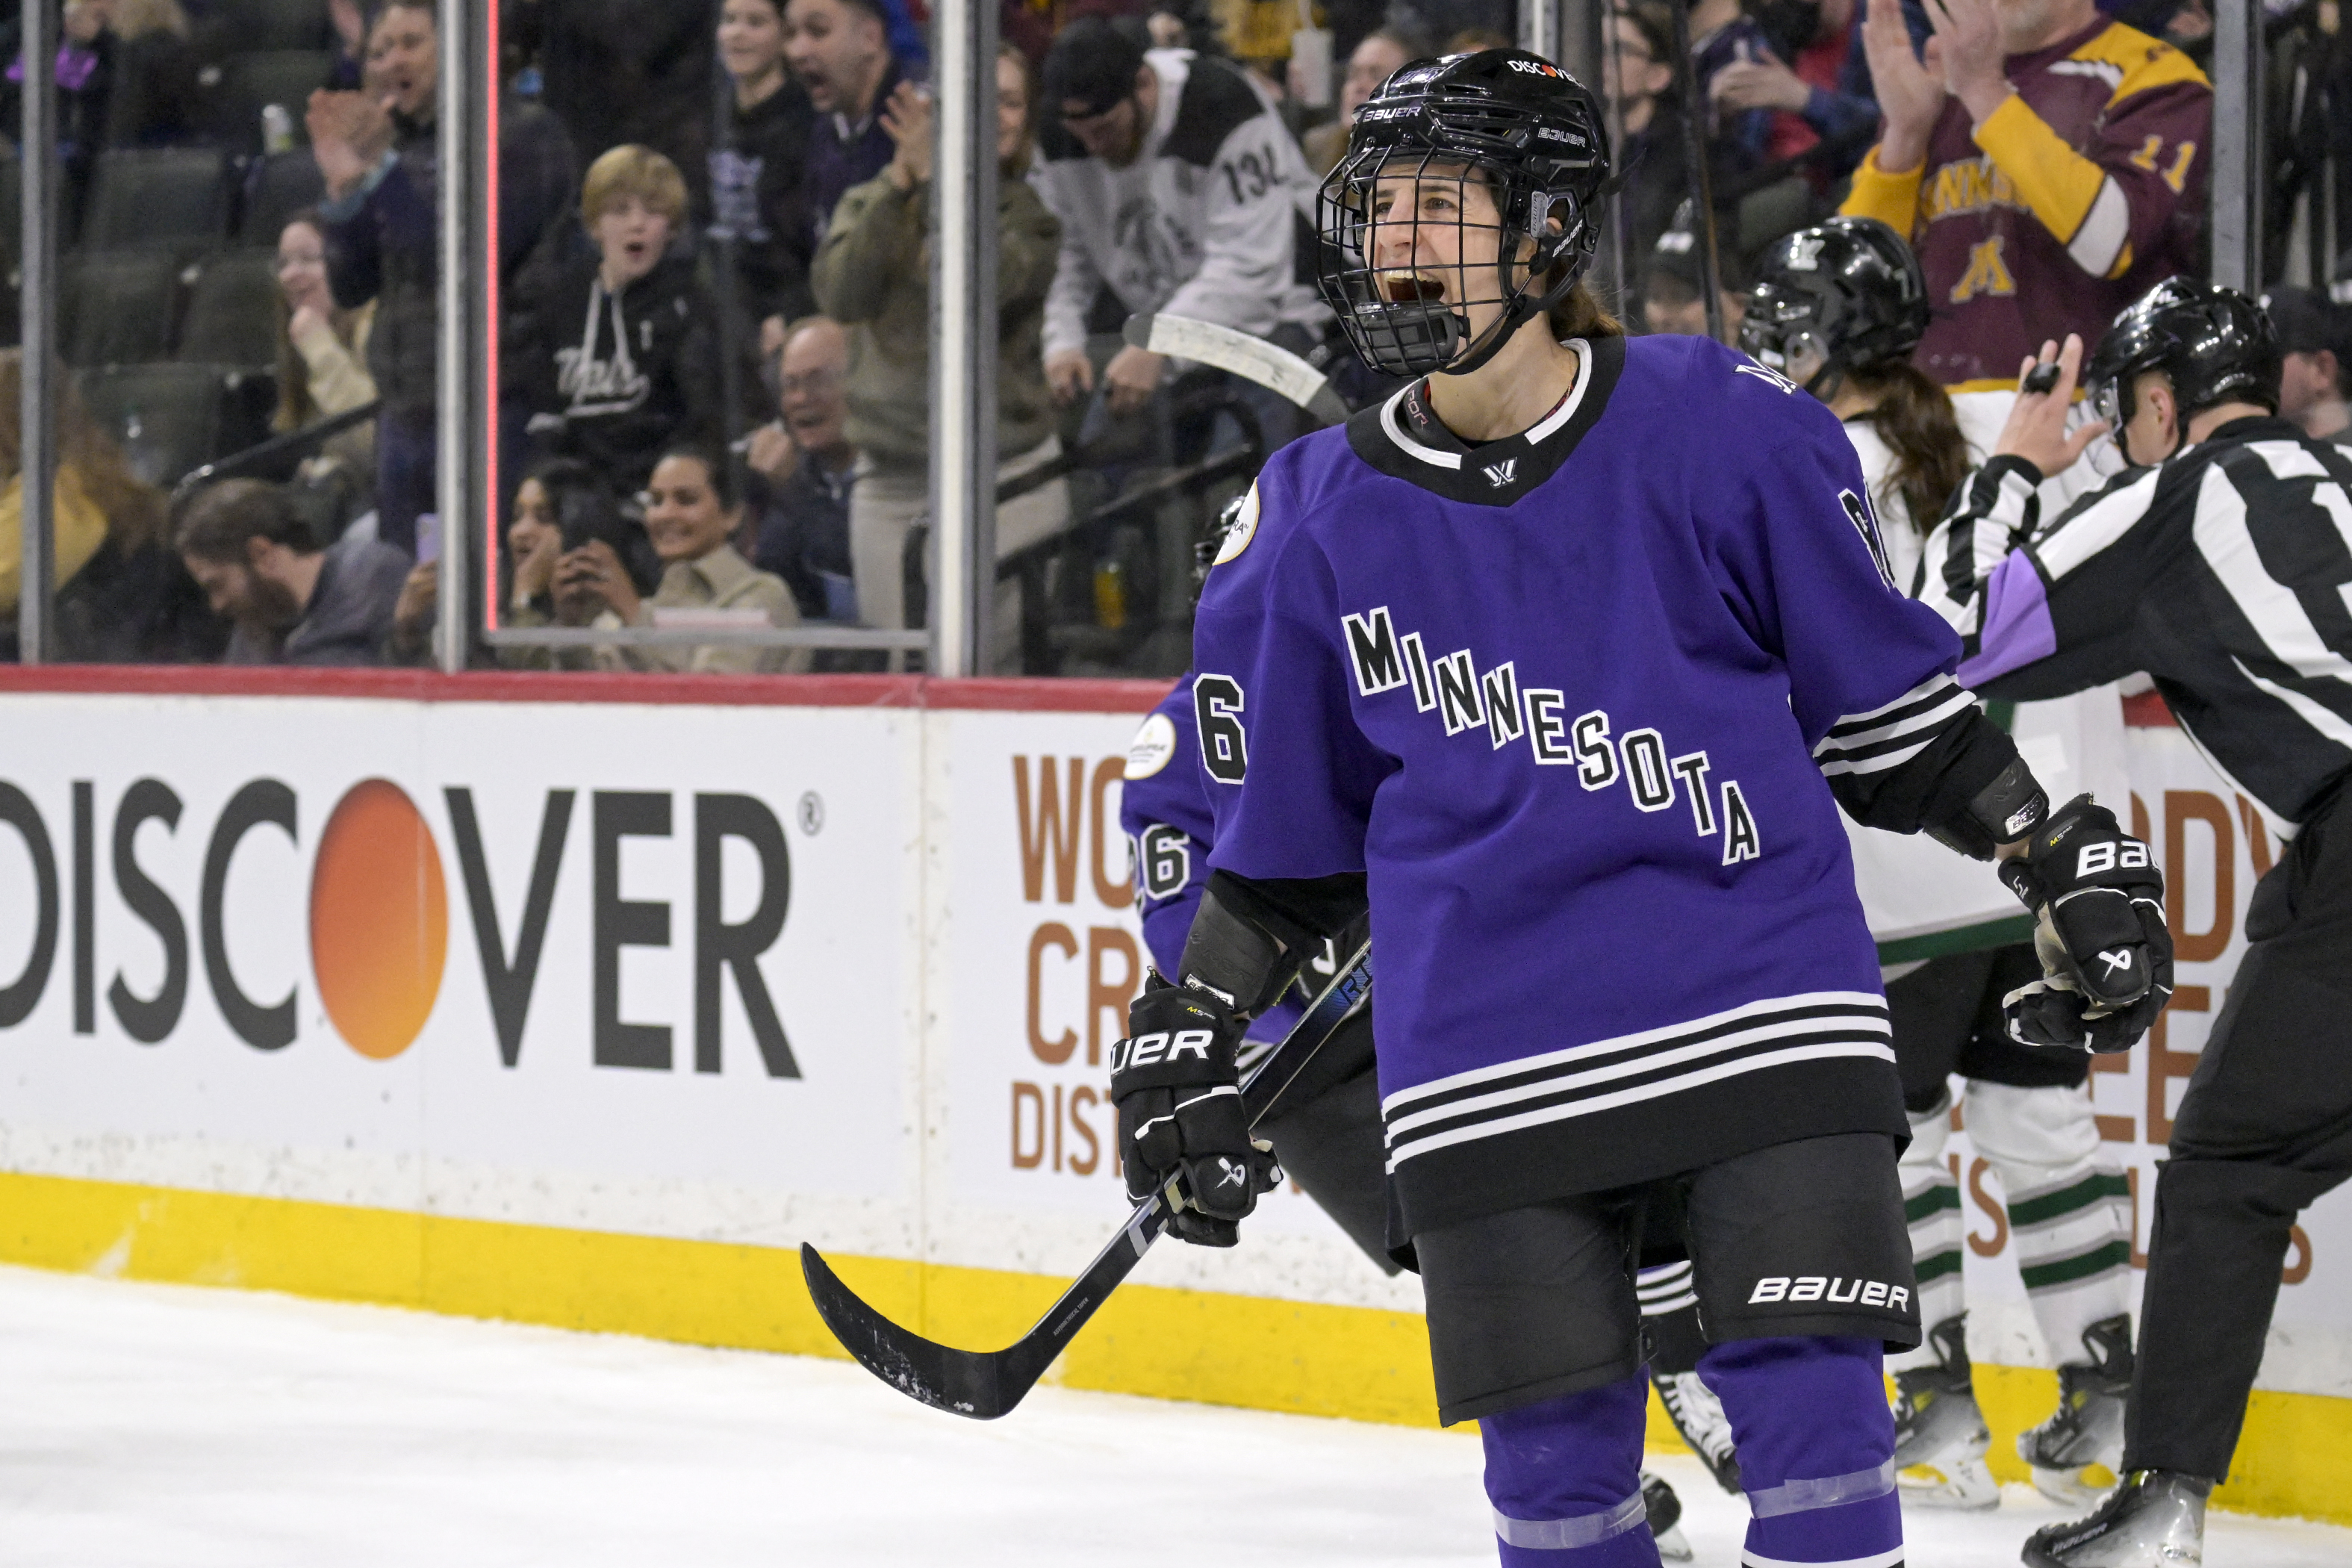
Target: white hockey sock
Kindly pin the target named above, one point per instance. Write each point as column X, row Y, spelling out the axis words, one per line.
column 2069, row 1207
column 1931, row 1205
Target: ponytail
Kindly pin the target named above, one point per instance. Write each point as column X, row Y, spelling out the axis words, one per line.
column 1914, row 417
column 1578, row 314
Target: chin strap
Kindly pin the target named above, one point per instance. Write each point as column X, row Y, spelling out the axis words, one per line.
column 1520, row 314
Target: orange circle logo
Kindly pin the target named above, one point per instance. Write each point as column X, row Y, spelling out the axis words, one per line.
column 378, row 919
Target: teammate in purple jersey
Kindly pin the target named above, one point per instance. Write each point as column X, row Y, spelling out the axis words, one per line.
column 1564, row 657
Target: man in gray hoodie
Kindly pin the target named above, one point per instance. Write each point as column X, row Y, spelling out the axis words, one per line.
column 288, row 601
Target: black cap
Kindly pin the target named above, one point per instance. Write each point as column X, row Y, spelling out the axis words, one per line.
column 2306, row 321
column 1676, row 256
column 1094, row 61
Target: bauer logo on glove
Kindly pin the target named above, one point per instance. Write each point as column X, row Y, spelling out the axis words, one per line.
column 2106, row 956
column 1181, row 1129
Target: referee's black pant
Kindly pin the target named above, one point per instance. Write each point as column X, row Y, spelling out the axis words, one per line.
column 2264, row 1129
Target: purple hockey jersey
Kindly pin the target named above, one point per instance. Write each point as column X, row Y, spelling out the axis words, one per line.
column 1568, row 700
column 1164, row 808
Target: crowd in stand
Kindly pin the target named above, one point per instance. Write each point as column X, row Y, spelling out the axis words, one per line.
column 713, row 264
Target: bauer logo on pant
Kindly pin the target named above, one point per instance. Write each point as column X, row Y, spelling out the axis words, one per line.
column 1822, row 1288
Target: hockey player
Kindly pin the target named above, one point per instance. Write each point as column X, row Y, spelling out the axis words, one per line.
column 2217, row 564
column 1564, row 656
column 2048, row 164
column 1839, row 308
column 1332, row 1146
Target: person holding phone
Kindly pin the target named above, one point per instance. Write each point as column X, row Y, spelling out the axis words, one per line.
column 692, row 512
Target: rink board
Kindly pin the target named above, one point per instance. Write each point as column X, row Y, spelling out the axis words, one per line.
column 585, row 1001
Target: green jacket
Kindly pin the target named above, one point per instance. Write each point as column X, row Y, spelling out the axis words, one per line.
column 872, row 275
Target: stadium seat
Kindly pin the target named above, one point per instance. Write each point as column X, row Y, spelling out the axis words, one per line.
column 237, row 26
column 275, row 188
column 232, row 316
column 117, row 307
column 168, row 417
column 174, row 197
column 249, row 81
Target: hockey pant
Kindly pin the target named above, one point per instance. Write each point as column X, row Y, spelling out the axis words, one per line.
column 2264, row 1129
column 1816, row 1449
column 2069, row 1211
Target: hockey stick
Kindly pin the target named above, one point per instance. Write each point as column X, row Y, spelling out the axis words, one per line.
column 985, row 1385
column 1253, row 359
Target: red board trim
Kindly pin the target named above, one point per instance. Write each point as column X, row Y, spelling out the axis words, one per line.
column 1010, row 696
column 2148, row 711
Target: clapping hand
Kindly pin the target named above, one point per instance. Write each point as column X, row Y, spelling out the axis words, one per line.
column 1968, row 49
column 907, row 120
column 1910, row 95
column 350, row 133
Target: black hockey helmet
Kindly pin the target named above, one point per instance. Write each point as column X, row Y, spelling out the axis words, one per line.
column 2213, row 343
column 1533, row 134
column 1847, row 290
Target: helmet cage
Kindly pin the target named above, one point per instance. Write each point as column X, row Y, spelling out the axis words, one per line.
column 1414, row 319
column 1782, row 324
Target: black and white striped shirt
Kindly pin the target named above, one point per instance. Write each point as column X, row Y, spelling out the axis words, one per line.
column 2224, row 572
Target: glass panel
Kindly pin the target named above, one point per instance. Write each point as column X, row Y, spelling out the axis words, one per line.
column 683, row 435
column 246, row 266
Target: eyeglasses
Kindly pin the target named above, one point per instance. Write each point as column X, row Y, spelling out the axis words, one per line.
column 816, row 383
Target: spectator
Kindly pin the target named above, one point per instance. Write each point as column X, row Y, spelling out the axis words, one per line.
column 288, row 601
column 120, row 596
column 623, row 73
column 874, row 275
column 1383, row 52
column 1723, row 35
column 756, row 202
column 1177, row 190
column 1655, row 164
column 840, row 51
column 2315, row 350
column 152, row 98
column 644, row 371
column 803, row 472
column 321, row 347
column 692, row 512
column 557, row 500
column 1822, row 95
column 1671, row 298
column 2097, row 129
column 125, row 79
column 375, row 150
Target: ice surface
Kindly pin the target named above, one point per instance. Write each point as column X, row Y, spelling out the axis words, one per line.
column 170, row 1425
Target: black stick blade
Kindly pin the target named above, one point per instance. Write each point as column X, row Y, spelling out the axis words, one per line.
column 959, row 1382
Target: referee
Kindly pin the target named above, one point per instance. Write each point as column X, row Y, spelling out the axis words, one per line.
column 2220, row 562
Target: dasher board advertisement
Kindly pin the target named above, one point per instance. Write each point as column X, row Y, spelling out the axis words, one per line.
column 627, row 968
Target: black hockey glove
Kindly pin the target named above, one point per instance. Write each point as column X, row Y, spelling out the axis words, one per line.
column 2107, row 957
column 1180, row 1113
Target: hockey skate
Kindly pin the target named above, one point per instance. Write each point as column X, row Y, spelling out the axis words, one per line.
column 1665, row 1512
column 1940, row 1436
column 2087, row 1429
column 2154, row 1519
column 1698, row 1416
